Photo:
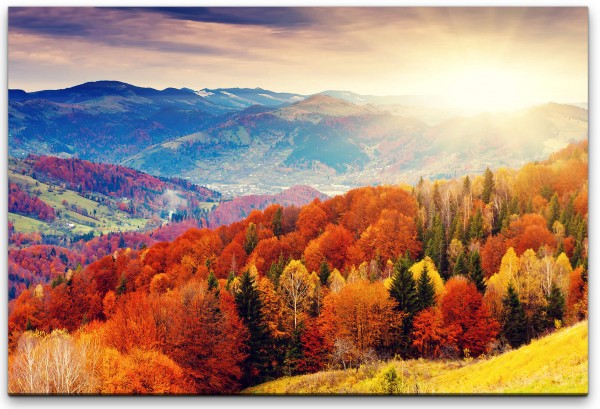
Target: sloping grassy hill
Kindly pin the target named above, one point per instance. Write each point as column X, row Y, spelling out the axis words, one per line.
column 104, row 220
column 556, row 364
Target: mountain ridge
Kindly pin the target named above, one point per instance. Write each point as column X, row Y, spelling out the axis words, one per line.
column 323, row 140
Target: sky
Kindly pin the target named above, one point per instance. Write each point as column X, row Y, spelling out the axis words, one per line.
column 498, row 58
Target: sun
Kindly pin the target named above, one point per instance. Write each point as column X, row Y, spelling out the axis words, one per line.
column 485, row 87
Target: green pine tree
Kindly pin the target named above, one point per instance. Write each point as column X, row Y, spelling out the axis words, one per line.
column 403, row 291
column 436, row 245
column 514, row 320
column 249, row 307
column 230, row 279
column 466, row 186
column 425, row 290
column 488, row 186
column 461, row 267
column 121, row 242
column 501, row 219
column 277, row 222
column 295, row 351
column 122, row 286
column 276, row 270
column 476, row 272
column 251, row 238
column 324, row 272
column 403, row 288
column 457, row 229
column 476, row 226
column 213, row 283
column 556, row 306
column 553, row 211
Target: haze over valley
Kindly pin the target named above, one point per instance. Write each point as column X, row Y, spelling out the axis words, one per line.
column 254, row 141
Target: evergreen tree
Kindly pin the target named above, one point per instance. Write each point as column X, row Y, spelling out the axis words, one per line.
column 403, row 291
column 437, row 197
column 276, row 270
column 501, row 219
column 556, row 306
column 560, row 248
column 420, row 230
column 122, row 286
column 476, row 226
column 249, row 307
column 457, row 229
column 277, row 222
column 568, row 217
column 324, row 272
column 514, row 320
column 488, row 186
column 425, row 290
column 295, row 351
column 476, row 272
column 461, row 267
column 536, row 322
column 577, row 256
column 121, row 242
column 466, row 190
column 436, row 245
column 553, row 211
column 251, row 238
column 213, row 283
column 403, row 288
column 514, row 206
column 230, row 279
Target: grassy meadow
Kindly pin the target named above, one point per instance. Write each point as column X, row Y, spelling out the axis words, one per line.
column 555, row 364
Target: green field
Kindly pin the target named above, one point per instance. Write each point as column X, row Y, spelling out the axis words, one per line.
column 69, row 220
column 556, row 364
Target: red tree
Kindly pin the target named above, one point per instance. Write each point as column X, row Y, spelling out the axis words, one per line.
column 462, row 305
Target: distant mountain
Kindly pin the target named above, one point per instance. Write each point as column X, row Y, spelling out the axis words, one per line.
column 318, row 131
column 246, row 97
column 242, row 141
column 328, row 142
column 430, row 109
column 408, row 100
column 240, row 207
column 317, row 107
column 104, row 120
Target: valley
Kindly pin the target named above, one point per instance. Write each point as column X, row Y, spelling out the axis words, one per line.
column 239, row 141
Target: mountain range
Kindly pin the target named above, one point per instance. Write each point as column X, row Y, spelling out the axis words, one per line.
column 252, row 141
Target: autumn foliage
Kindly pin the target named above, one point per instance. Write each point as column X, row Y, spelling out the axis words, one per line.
column 288, row 290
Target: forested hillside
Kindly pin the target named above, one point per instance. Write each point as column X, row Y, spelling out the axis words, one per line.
column 444, row 270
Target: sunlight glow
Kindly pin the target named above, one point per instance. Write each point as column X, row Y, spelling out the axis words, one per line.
column 486, row 87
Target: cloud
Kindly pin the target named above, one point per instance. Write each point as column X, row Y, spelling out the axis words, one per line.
column 280, row 17
column 372, row 50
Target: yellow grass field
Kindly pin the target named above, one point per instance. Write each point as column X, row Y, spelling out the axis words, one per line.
column 556, row 364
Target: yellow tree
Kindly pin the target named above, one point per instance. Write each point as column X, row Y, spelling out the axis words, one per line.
column 531, row 292
column 454, row 249
column 272, row 307
column 365, row 314
column 434, row 275
column 336, row 281
column 498, row 283
column 295, row 286
column 563, row 271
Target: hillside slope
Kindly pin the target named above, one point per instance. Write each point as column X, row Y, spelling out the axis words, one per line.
column 556, row 364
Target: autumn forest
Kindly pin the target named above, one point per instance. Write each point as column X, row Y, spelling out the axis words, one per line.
column 321, row 200
column 445, row 270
